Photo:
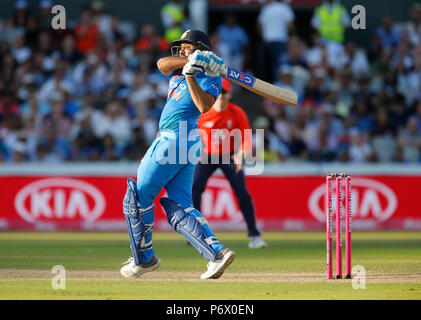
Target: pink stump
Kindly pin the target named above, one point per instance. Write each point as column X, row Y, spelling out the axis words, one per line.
column 338, row 229
column 348, row 226
column 328, row 200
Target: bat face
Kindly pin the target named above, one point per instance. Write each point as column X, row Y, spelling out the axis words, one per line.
column 261, row 87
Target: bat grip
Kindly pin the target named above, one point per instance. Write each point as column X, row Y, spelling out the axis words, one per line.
column 224, row 71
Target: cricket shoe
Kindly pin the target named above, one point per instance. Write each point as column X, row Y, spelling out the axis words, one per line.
column 131, row 270
column 257, row 243
column 216, row 268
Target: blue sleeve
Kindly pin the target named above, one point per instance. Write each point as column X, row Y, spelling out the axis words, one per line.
column 213, row 85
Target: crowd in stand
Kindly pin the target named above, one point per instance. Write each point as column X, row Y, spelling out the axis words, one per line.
column 92, row 92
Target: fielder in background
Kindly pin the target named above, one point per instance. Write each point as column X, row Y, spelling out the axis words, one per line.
column 219, row 126
column 194, row 86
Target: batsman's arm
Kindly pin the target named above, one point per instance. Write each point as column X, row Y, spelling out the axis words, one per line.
column 168, row 64
column 202, row 99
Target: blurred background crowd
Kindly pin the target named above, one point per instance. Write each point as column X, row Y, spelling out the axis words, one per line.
column 91, row 92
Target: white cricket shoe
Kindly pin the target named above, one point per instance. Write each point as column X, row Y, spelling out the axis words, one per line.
column 257, row 243
column 131, row 270
column 216, row 268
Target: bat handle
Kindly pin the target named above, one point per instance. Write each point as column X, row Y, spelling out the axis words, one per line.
column 224, row 71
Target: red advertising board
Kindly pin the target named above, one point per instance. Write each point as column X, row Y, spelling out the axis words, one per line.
column 281, row 202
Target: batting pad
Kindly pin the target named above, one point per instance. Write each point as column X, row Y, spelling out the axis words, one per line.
column 135, row 224
column 188, row 226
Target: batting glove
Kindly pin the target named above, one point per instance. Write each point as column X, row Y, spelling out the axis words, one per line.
column 199, row 58
column 191, row 69
column 216, row 64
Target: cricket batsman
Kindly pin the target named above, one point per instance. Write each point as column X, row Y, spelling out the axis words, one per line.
column 194, row 85
column 223, row 134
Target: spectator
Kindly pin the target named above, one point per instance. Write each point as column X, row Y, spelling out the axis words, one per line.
column 331, row 20
column 417, row 113
column 58, row 120
column 412, row 82
column 296, row 146
column 53, row 148
column 371, row 96
column 110, row 151
column 21, row 13
column 273, row 148
column 220, row 48
column 388, row 35
column 172, row 17
column 383, row 137
column 360, row 151
column 402, row 55
column 20, row 51
column 326, row 55
column 410, row 141
column 90, row 75
column 86, row 32
column 356, row 59
column 362, row 118
column 102, row 21
column 59, row 81
column 275, row 20
column 323, row 146
column 32, row 31
column 8, row 106
column 113, row 121
column 68, row 51
column 199, row 14
column 236, row 39
column 45, row 14
column 414, row 27
column 150, row 42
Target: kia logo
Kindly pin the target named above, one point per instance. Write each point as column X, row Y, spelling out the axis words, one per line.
column 59, row 198
column 370, row 199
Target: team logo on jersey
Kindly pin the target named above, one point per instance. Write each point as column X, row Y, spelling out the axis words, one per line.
column 216, row 88
column 208, row 124
column 229, row 123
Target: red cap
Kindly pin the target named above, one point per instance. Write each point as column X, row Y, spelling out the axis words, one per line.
column 226, row 85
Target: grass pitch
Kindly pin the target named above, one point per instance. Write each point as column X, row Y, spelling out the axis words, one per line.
column 292, row 267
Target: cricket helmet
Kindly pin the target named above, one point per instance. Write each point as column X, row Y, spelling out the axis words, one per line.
column 196, row 37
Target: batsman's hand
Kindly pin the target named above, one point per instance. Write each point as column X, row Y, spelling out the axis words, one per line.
column 199, row 58
column 216, row 64
column 190, row 69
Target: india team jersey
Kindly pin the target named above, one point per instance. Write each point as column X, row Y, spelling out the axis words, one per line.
column 220, row 129
column 180, row 105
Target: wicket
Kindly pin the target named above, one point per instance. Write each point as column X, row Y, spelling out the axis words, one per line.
column 341, row 185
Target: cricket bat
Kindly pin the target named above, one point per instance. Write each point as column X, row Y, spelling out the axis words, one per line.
column 260, row 87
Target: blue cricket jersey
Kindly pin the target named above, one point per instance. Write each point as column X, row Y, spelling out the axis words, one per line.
column 180, row 105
